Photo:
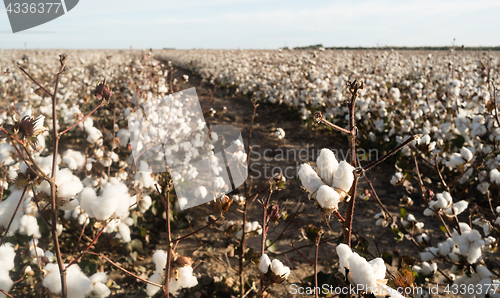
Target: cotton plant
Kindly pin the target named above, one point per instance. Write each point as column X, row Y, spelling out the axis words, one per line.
column 329, row 182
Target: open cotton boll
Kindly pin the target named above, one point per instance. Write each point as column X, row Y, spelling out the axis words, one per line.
column 309, row 178
column 458, row 208
column 344, row 176
column 7, row 209
column 264, row 264
column 29, row 226
column 145, row 203
column 160, row 260
column 397, row 178
column 279, row 269
column 5, row 282
column 466, row 154
column 123, row 135
column 7, row 255
column 124, row 232
column 183, row 279
column 327, row 165
column 87, row 198
column 100, row 290
column 78, row 285
column 327, row 197
column 152, row 289
column 344, row 252
column 495, row 176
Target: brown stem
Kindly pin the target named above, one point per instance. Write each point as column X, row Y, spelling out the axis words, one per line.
column 194, row 232
column 55, row 143
column 123, row 269
column 34, row 81
column 13, row 215
column 392, row 152
column 316, row 266
column 288, row 224
column 320, row 118
column 166, row 202
column 83, row 119
column 90, row 245
column 305, row 258
column 347, row 226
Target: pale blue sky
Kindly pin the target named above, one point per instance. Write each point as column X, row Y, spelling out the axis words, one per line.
column 262, row 24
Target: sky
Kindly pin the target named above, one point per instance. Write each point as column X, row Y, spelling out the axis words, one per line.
column 258, row 24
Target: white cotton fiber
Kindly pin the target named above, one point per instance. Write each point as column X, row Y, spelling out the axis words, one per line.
column 79, row 285
column 361, row 272
column 99, row 277
column 309, row 178
column 5, row 282
column 344, row 252
column 7, row 209
column 52, row 280
column 264, row 263
column 29, row 226
column 379, row 268
column 186, row 279
column 327, row 197
column 343, row 177
column 152, row 289
column 7, row 255
column 466, row 154
column 160, row 260
column 87, row 198
column 100, row 290
column 327, row 165
column 124, row 231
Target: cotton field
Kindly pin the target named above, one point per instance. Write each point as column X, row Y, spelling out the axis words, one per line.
column 98, row 169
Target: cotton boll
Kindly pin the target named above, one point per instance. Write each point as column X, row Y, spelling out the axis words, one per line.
column 152, row 289
column 29, row 226
column 100, row 290
column 495, row 176
column 474, row 254
column 7, row 255
column 99, row 277
column 344, row 252
column 7, row 209
column 5, row 282
column 428, row 212
column 145, row 203
column 378, row 268
column 87, row 197
column 396, row 178
column 466, row 154
column 459, row 207
column 327, row 197
column 426, row 269
column 344, row 176
column 124, row 231
column 78, row 285
column 160, row 260
column 264, row 264
column 185, row 279
column 327, row 165
column 419, row 225
column 309, row 178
